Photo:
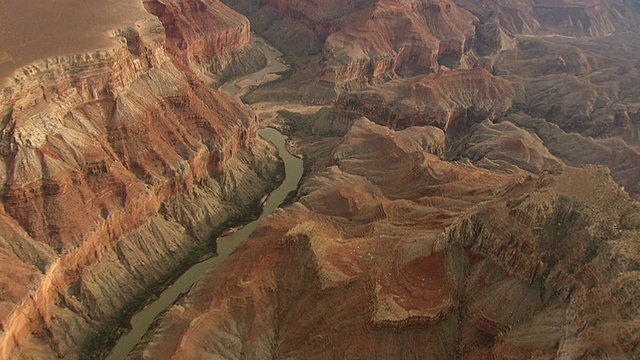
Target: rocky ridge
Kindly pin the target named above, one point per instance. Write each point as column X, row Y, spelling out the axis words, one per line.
column 484, row 211
column 117, row 164
column 210, row 38
column 412, row 37
column 393, row 250
column 470, row 222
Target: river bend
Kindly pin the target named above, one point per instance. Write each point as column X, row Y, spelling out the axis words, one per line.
column 142, row 320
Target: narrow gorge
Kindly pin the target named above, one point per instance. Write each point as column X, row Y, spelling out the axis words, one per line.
column 120, row 166
column 469, row 188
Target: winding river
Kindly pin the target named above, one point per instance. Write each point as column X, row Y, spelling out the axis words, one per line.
column 142, row 320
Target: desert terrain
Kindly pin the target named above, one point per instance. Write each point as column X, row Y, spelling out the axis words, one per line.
column 469, row 188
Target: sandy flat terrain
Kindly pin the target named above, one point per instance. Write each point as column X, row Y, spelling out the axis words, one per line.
column 31, row 29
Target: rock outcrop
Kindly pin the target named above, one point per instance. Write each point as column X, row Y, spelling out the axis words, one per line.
column 208, row 37
column 412, row 38
column 117, row 164
column 393, row 250
column 565, row 17
column 470, row 222
column 436, row 99
column 484, row 210
column 583, row 85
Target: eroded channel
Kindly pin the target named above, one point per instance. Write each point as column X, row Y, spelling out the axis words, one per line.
column 142, row 320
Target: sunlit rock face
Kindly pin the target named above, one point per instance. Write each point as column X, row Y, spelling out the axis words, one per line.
column 116, row 164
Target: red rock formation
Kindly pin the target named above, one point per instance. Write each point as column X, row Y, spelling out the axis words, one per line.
column 357, row 259
column 207, row 35
column 411, row 38
column 436, row 99
column 116, row 164
column 394, row 251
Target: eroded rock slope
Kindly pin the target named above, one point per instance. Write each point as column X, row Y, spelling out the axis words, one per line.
column 393, row 250
column 481, row 208
column 117, row 164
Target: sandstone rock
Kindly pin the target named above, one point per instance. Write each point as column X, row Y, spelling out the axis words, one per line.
column 412, row 38
column 438, row 99
column 210, row 38
column 107, row 156
column 362, row 242
column 393, row 251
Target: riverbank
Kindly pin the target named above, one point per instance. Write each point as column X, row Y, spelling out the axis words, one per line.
column 274, row 70
column 141, row 321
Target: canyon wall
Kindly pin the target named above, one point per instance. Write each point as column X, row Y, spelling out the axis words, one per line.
column 394, row 250
column 208, row 37
column 480, row 210
column 117, row 165
column 411, row 38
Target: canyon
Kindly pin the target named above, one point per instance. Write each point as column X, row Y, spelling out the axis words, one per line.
column 470, row 188
column 119, row 166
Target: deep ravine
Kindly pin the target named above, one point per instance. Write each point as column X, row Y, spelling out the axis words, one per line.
column 142, row 320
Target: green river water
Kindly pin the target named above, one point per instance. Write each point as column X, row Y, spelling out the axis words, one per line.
column 142, row 320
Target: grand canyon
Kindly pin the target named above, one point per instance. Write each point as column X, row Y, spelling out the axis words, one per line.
column 467, row 178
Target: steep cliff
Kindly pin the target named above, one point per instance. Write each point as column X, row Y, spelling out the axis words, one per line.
column 210, row 38
column 117, row 164
column 412, row 38
column 392, row 251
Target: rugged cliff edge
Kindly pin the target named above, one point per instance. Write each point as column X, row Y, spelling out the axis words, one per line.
column 468, row 216
column 412, row 37
column 117, row 164
column 210, row 38
column 393, row 250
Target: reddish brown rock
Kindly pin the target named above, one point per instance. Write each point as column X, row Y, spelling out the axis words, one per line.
column 437, row 99
column 393, row 251
column 412, row 38
column 116, row 164
column 208, row 37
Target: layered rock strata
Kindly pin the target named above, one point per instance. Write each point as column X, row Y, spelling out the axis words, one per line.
column 116, row 167
column 392, row 250
column 411, row 37
column 566, row 17
column 208, row 37
column 437, row 99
